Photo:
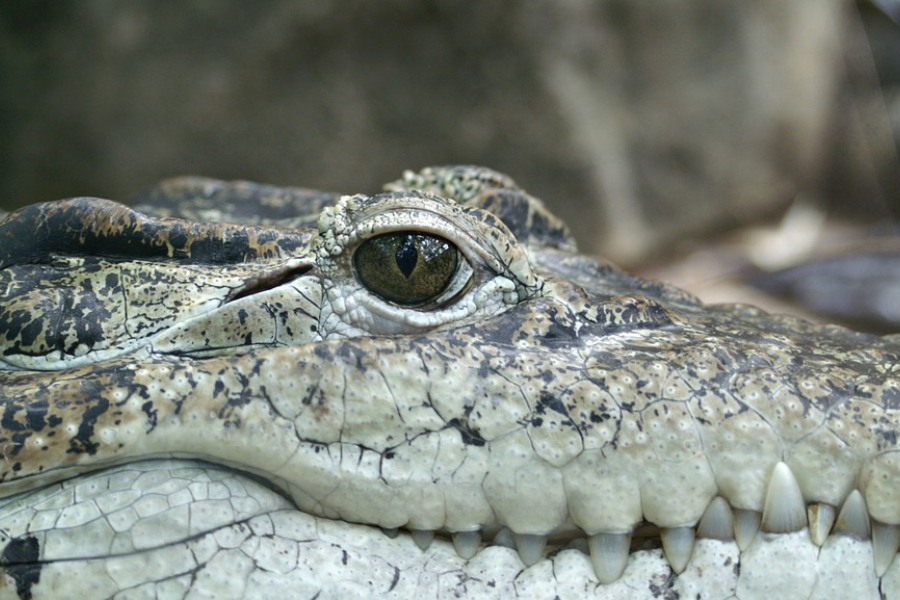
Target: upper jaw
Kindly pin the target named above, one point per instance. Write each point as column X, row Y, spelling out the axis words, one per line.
column 596, row 425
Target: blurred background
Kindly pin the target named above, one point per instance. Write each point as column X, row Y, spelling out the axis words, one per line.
column 644, row 124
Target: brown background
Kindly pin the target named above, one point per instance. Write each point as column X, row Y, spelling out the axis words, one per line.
column 642, row 123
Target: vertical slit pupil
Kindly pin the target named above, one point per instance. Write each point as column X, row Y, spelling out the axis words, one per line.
column 407, row 256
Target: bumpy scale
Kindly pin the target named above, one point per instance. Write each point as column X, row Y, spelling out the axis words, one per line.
column 532, row 421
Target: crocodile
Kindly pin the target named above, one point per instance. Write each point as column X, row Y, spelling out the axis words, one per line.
column 241, row 391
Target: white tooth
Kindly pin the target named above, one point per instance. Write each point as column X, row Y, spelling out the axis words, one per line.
column 391, row 532
column 678, row 546
column 821, row 518
column 853, row 519
column 609, row 554
column 885, row 541
column 466, row 543
column 746, row 525
column 784, row 510
column 717, row 522
column 422, row 537
column 530, row 547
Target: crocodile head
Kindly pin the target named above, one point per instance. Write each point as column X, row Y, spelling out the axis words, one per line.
column 249, row 407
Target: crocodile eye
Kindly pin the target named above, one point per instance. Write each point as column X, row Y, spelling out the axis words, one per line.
column 411, row 268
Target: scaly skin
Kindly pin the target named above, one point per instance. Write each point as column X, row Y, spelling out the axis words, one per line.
column 551, row 396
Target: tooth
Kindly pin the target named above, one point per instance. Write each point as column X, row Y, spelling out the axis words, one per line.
column 821, row 518
column 885, row 541
column 717, row 522
column 784, row 510
column 505, row 538
column 853, row 519
column 466, row 543
column 391, row 532
column 530, row 547
column 422, row 537
column 609, row 554
column 746, row 525
column 678, row 546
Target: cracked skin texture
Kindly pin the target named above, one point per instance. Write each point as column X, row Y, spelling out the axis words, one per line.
column 194, row 408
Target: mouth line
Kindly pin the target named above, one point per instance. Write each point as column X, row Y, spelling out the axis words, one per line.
column 785, row 513
column 498, row 565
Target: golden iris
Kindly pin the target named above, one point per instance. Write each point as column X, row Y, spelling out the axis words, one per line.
column 406, row 268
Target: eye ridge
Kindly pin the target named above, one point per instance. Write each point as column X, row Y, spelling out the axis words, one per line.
column 407, row 268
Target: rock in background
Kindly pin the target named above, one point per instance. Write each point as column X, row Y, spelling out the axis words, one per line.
column 640, row 122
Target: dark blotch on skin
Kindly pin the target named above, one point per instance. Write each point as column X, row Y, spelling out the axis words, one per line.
column 20, row 561
column 469, row 437
column 84, row 440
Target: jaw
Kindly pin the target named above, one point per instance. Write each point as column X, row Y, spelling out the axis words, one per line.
column 599, row 429
column 205, row 529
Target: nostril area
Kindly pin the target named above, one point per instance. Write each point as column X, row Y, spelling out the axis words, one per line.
column 268, row 281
